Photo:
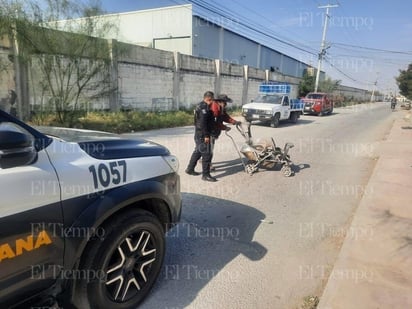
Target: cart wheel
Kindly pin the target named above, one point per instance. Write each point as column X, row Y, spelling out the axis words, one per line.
column 287, row 171
column 250, row 168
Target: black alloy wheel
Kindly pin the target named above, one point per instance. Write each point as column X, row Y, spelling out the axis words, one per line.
column 129, row 259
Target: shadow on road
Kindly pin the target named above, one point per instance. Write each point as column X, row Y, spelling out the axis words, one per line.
column 211, row 234
column 300, row 122
column 285, row 124
column 226, row 168
column 298, row 167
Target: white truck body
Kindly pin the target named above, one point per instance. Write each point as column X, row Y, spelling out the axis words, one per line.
column 272, row 107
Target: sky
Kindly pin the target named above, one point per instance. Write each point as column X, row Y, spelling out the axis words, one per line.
column 367, row 41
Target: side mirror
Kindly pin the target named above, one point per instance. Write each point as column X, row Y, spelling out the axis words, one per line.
column 16, row 149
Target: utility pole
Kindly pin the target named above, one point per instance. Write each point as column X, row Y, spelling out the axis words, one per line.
column 323, row 44
column 374, row 87
column 373, row 92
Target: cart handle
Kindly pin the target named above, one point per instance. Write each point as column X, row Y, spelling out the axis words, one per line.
column 246, row 134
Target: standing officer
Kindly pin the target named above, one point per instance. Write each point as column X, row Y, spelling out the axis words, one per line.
column 204, row 124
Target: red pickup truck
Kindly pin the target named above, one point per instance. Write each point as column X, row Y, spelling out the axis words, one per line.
column 318, row 103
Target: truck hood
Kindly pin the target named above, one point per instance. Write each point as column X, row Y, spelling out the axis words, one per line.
column 311, row 100
column 261, row 106
column 104, row 145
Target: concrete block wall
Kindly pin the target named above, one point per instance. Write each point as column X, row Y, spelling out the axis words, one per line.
column 146, row 78
column 134, row 54
column 140, row 85
column 231, row 69
column 192, row 86
column 195, row 64
column 232, row 86
column 253, row 89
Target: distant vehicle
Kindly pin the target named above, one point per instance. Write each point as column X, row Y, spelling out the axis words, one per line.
column 406, row 105
column 317, row 103
column 273, row 105
column 393, row 103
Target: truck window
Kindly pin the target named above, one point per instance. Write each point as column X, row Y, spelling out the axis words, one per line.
column 268, row 98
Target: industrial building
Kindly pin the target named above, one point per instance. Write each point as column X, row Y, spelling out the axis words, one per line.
column 177, row 28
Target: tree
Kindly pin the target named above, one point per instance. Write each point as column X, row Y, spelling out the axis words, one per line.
column 69, row 66
column 404, row 81
column 329, row 85
column 307, row 84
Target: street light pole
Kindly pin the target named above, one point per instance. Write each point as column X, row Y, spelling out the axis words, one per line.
column 323, row 44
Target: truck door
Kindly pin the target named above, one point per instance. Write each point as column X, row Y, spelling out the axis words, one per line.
column 31, row 242
column 285, row 108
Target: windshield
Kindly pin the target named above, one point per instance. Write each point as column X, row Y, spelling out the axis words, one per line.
column 268, row 98
column 314, row 96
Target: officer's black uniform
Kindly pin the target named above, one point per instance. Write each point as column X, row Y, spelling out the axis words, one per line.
column 204, row 124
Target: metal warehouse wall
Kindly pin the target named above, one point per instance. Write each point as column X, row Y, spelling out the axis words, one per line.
column 215, row 42
column 168, row 27
column 206, row 41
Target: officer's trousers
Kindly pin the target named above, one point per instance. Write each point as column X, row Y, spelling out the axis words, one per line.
column 204, row 151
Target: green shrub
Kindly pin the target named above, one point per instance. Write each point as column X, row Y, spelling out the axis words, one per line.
column 121, row 122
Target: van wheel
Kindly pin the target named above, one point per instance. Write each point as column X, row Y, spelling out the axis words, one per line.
column 124, row 264
column 275, row 121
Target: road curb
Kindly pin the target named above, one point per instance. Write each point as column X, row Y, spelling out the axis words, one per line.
column 374, row 266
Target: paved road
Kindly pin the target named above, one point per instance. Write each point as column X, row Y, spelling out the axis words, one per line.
column 267, row 241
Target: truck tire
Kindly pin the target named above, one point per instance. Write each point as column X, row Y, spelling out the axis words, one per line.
column 331, row 110
column 274, row 123
column 130, row 257
column 294, row 117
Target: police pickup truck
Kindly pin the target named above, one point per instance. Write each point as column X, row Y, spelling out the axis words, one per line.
column 82, row 216
column 273, row 105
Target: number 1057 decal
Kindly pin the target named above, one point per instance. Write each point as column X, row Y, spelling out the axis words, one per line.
column 106, row 174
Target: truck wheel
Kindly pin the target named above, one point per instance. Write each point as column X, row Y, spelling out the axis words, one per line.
column 275, row 121
column 124, row 264
column 330, row 111
column 294, row 117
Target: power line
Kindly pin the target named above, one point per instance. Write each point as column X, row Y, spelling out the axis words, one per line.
column 271, row 21
column 250, row 26
column 218, row 12
column 373, row 49
column 344, row 74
